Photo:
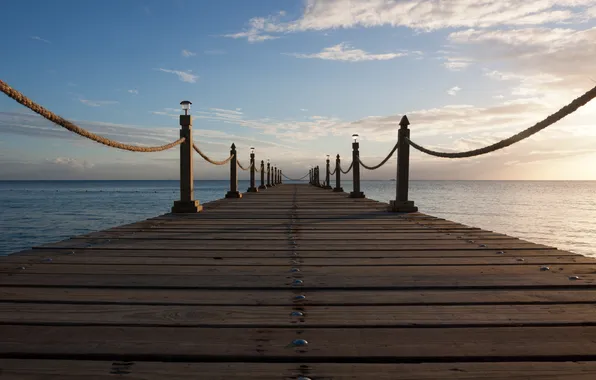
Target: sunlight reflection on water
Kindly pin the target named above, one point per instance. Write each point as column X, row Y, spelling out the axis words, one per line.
column 557, row 213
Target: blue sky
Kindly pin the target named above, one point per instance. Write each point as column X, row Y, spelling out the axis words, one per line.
column 295, row 79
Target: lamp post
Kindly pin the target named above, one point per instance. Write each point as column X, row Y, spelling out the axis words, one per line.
column 252, row 188
column 356, row 193
column 186, row 204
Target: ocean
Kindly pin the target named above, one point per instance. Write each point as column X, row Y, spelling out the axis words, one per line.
column 557, row 213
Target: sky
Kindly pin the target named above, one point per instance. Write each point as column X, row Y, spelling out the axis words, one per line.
column 295, row 79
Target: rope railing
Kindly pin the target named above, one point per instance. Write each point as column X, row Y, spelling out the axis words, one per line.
column 206, row 158
column 242, row 167
column 292, row 179
column 382, row 162
column 550, row 120
column 347, row 171
column 333, row 172
column 22, row 99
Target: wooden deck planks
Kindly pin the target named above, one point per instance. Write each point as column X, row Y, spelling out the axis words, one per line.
column 214, row 293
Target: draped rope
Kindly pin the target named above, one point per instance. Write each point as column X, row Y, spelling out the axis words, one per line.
column 22, row 99
column 347, row 171
column 382, row 162
column 550, row 120
column 292, row 179
column 242, row 167
column 206, row 158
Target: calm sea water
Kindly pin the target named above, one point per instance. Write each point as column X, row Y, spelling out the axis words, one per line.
column 561, row 214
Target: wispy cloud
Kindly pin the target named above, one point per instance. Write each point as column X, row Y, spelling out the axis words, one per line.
column 251, row 36
column 37, row 38
column 453, row 90
column 344, row 52
column 134, row 92
column 457, row 63
column 184, row 76
column 320, row 15
column 97, row 103
column 188, row 53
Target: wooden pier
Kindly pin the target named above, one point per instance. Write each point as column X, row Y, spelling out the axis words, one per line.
column 297, row 282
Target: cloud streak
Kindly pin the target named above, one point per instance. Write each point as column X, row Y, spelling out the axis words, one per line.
column 184, row 76
column 423, row 15
column 97, row 103
column 188, row 53
column 37, row 38
column 344, row 52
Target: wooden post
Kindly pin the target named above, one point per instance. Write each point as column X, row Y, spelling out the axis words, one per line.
column 338, row 188
column 186, row 204
column 252, row 188
column 233, row 193
column 318, row 176
column 281, row 180
column 273, row 170
column 401, row 202
column 262, row 186
column 356, row 193
column 327, row 175
column 268, row 174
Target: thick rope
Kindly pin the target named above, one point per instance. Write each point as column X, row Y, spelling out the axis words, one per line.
column 292, row 179
column 568, row 109
column 223, row 162
column 333, row 172
column 347, row 171
column 382, row 162
column 242, row 167
column 20, row 98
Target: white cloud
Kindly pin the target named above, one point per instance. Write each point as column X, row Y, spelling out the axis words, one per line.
column 344, row 52
column 97, row 103
column 184, row 76
column 70, row 162
column 303, row 109
column 457, row 63
column 423, row 15
column 37, row 38
column 539, row 59
column 453, row 90
column 251, row 36
column 134, row 92
column 188, row 53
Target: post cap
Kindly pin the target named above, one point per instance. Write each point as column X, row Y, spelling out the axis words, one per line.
column 404, row 122
column 233, row 146
column 337, row 156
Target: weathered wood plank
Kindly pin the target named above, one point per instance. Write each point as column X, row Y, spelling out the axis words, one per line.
column 329, row 252
column 286, row 297
column 312, row 316
column 18, row 369
column 324, row 344
column 88, row 259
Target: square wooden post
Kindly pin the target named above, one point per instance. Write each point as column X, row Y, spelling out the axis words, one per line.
column 233, row 193
column 338, row 188
column 356, row 193
column 401, row 202
column 186, row 204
